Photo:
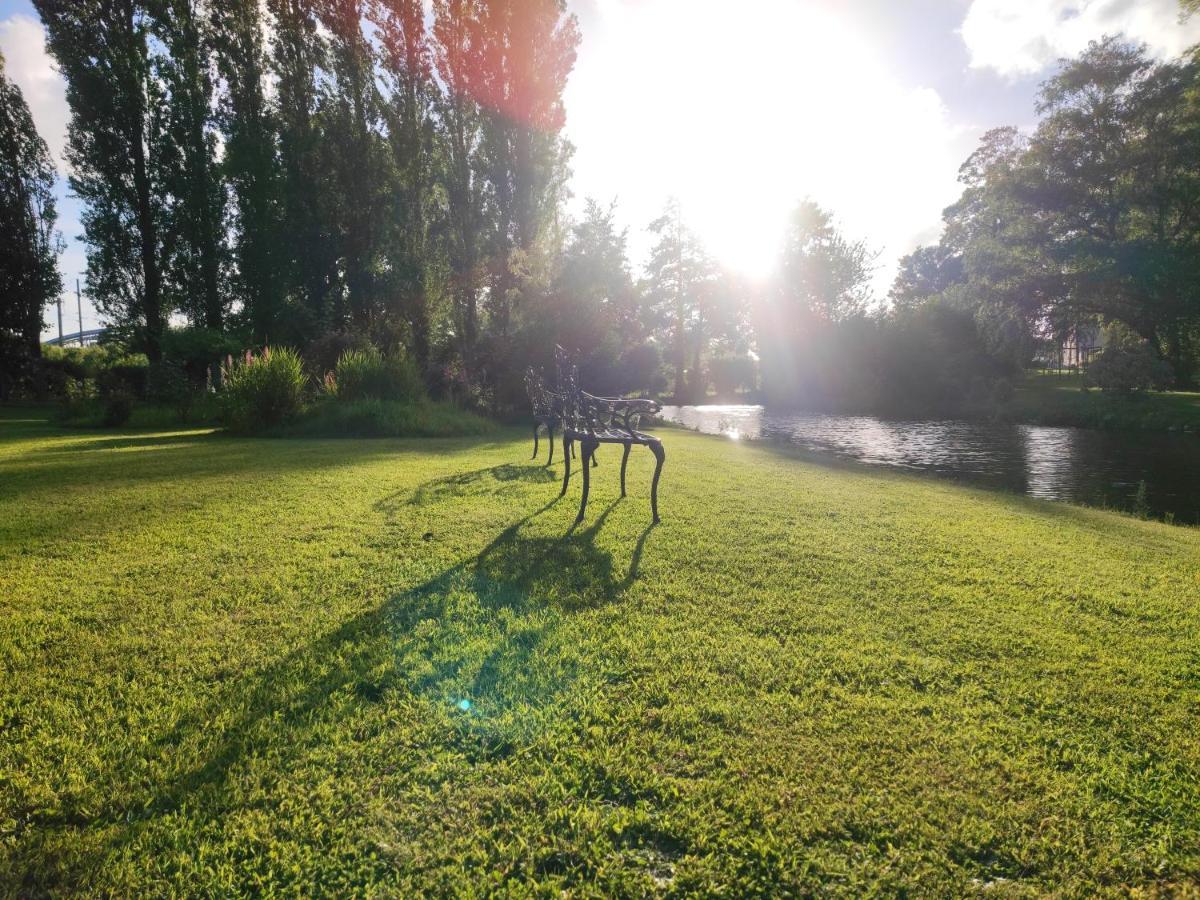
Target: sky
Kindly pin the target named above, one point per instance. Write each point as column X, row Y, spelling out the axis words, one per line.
column 743, row 110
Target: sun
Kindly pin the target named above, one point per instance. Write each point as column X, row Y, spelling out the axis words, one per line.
column 741, row 111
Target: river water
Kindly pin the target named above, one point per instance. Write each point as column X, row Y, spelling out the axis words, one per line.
column 1157, row 473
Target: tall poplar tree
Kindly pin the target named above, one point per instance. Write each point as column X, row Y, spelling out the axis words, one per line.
column 356, row 159
column 456, row 50
column 406, row 63
column 29, row 246
column 526, row 52
column 117, row 129
column 309, row 246
column 250, row 166
column 194, row 265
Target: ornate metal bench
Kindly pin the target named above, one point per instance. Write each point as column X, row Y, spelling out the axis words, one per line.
column 592, row 421
column 547, row 412
column 547, row 407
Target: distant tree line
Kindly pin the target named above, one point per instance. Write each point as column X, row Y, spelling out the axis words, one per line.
column 1094, row 218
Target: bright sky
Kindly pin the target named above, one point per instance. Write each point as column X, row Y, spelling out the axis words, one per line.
column 867, row 106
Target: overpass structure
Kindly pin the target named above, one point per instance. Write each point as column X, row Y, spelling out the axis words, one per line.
column 80, row 338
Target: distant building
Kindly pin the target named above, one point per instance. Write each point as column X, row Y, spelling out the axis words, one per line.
column 1072, row 351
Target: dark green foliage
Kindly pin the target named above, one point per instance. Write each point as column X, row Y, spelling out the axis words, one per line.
column 29, row 246
column 811, row 328
column 1127, row 365
column 679, row 293
column 118, row 408
column 1094, row 216
column 262, row 390
column 377, row 417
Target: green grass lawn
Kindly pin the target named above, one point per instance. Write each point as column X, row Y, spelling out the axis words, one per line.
column 238, row 667
column 1050, row 399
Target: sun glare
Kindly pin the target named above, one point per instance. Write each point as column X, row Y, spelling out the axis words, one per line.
column 750, row 109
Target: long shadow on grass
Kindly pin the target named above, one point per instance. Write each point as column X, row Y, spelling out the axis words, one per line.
column 477, row 661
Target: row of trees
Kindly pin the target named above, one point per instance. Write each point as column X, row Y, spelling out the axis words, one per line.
column 321, row 173
column 298, row 167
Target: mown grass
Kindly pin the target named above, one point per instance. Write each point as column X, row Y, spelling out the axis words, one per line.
column 1048, row 399
column 239, row 667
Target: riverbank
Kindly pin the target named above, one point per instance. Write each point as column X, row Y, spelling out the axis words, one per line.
column 235, row 666
column 1047, row 399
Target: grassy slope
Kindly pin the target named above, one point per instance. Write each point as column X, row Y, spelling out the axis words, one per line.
column 1057, row 400
column 227, row 664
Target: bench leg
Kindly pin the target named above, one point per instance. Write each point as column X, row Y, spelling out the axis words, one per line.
column 624, row 460
column 595, row 456
column 572, row 449
column 589, row 450
column 660, row 456
column 550, row 439
column 567, row 443
column 535, row 440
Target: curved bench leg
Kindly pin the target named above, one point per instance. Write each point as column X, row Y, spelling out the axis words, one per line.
column 567, row 444
column 624, row 460
column 589, row 450
column 535, row 440
column 595, row 456
column 572, row 449
column 550, row 439
column 660, row 456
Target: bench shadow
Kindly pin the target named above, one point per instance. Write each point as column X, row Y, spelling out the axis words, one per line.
column 491, row 480
column 490, row 648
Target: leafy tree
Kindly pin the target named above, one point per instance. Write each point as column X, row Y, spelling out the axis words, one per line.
column 195, row 255
column 117, row 132
column 679, row 288
column 1112, row 171
column 456, row 47
column 1097, row 215
column 923, row 274
column 524, row 51
column 250, row 166
column 29, row 245
column 591, row 304
column 309, row 247
column 823, row 281
column 409, row 110
column 350, row 114
column 823, row 274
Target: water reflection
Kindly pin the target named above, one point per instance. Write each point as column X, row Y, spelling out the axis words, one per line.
column 1073, row 464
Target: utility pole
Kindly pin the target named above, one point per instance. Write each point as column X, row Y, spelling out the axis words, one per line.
column 79, row 309
column 60, row 342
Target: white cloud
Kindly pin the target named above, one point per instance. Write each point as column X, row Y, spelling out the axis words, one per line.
column 742, row 116
column 1024, row 37
column 29, row 66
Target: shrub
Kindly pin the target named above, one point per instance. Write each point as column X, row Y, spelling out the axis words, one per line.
column 322, row 353
column 362, row 374
column 262, row 391
column 1127, row 366
column 118, row 408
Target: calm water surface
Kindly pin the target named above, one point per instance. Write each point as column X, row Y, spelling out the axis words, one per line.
column 1099, row 468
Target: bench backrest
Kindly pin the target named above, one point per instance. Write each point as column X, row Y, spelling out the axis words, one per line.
column 541, row 398
column 586, row 412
